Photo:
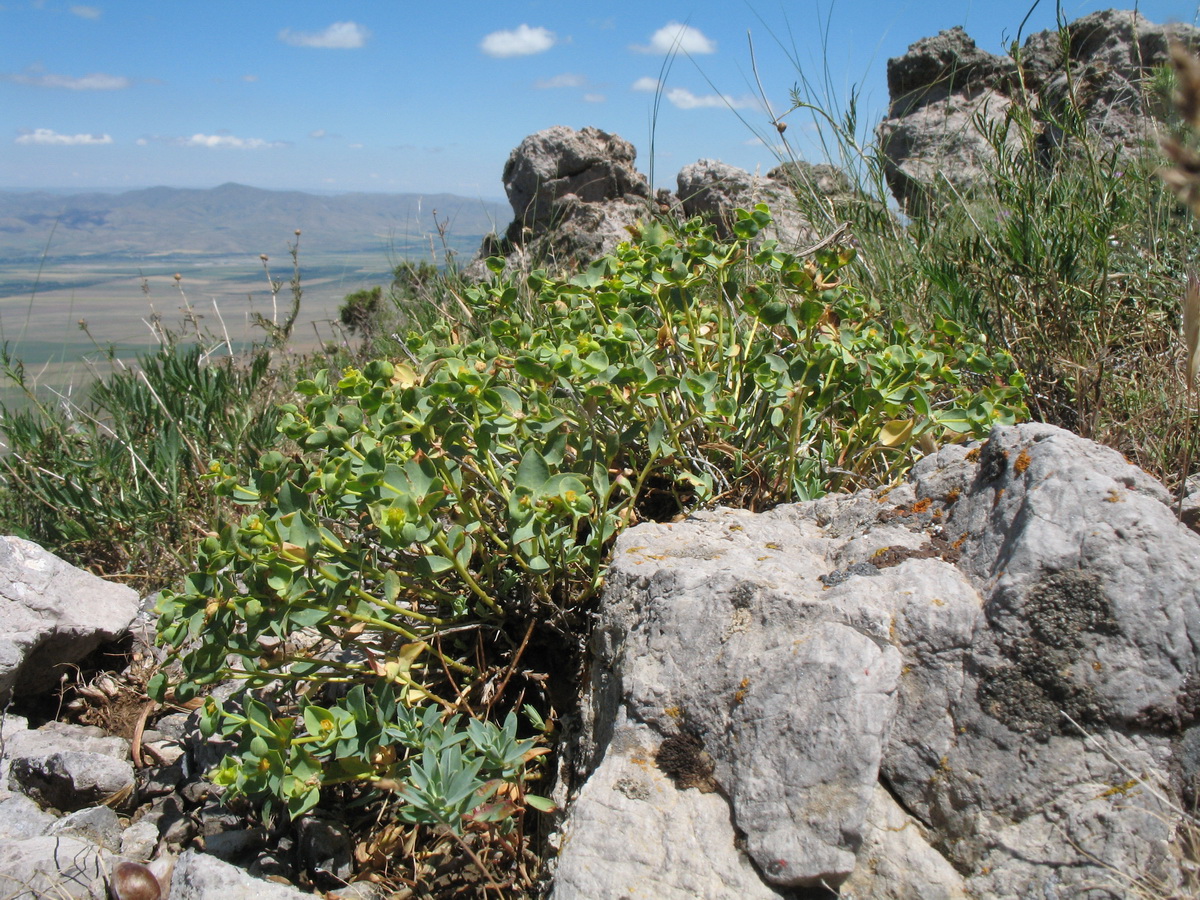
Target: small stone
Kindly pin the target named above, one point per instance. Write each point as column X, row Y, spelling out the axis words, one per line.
column 274, row 864
column 160, row 781
column 72, row 780
column 98, row 824
column 326, row 850
column 216, row 819
column 173, row 726
column 139, row 840
column 167, row 751
column 21, row 817
column 196, row 791
column 235, row 844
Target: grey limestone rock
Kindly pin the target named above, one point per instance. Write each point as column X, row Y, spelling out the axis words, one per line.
column 957, row 715
column 897, row 861
column 945, row 85
column 589, row 164
column 62, row 766
column 714, row 190
column 139, row 840
column 70, row 780
column 628, row 795
column 21, row 818
column 573, row 194
column 201, row 877
column 60, row 867
column 52, row 613
column 97, row 824
column 576, row 195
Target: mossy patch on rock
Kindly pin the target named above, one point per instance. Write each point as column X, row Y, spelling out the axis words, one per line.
column 1040, row 680
column 684, row 760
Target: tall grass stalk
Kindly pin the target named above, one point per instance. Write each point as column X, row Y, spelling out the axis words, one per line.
column 1183, row 177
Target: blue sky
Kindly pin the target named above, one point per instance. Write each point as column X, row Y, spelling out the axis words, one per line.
column 398, row 96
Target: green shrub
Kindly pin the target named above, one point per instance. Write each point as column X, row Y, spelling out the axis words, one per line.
column 360, row 311
column 433, row 504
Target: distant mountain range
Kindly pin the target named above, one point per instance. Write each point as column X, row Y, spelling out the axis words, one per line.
column 234, row 218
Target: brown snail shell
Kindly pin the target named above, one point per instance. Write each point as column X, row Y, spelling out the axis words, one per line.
column 133, row 881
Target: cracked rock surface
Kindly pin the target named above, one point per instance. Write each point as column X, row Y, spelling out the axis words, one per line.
column 935, row 691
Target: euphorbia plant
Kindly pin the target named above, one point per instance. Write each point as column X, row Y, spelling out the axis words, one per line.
column 481, row 482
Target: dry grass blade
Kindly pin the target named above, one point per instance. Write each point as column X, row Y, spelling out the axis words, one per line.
column 1191, row 327
column 1191, row 337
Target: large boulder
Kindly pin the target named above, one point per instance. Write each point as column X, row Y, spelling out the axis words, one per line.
column 940, row 91
column 573, row 195
column 52, row 613
column 714, row 190
column 981, row 683
column 947, row 94
column 590, row 165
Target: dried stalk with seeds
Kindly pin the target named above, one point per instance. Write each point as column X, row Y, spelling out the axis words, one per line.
column 1183, row 177
column 1191, row 338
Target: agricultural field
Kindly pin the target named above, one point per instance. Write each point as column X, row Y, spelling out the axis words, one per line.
column 64, row 319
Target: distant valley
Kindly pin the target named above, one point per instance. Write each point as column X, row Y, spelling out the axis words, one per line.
column 236, row 219
column 83, row 275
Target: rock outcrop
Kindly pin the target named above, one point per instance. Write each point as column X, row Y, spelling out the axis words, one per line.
column 576, row 194
column 573, row 193
column 51, row 614
column 979, row 684
column 713, row 190
column 946, row 94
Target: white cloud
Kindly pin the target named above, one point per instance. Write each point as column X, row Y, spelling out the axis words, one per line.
column 215, row 141
column 676, row 37
column 594, row 98
column 566, row 80
column 646, row 83
column 778, row 149
column 521, row 41
column 318, row 133
column 95, row 81
column 86, row 12
column 250, row 78
column 682, row 98
column 338, row 36
column 46, row 136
